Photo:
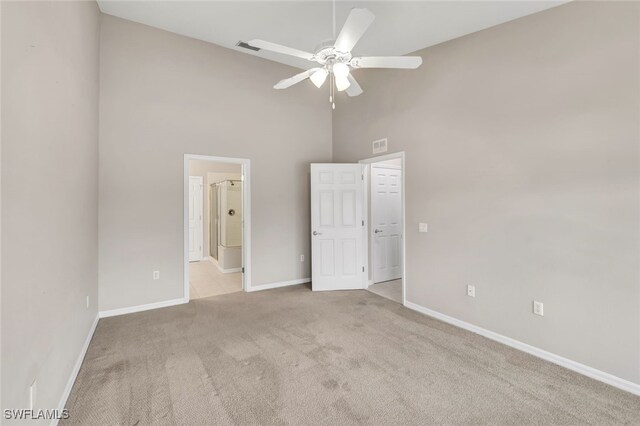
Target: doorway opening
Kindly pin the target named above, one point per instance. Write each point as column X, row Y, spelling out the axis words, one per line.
column 385, row 227
column 217, row 215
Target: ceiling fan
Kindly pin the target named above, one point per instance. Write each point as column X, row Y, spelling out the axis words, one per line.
column 335, row 59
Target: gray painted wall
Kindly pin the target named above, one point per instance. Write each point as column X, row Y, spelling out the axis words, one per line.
column 163, row 96
column 49, row 194
column 522, row 146
column 524, row 161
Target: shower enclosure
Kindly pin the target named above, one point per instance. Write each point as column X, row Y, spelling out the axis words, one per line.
column 225, row 239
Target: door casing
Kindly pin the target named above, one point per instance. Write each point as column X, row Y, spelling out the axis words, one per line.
column 197, row 194
column 246, row 225
column 367, row 162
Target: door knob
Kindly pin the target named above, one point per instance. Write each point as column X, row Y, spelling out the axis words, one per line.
column 378, row 231
column 317, row 233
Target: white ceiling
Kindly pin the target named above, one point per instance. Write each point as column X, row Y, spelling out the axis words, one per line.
column 400, row 27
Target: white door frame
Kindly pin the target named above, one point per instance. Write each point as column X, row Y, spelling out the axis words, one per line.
column 201, row 222
column 367, row 162
column 246, row 211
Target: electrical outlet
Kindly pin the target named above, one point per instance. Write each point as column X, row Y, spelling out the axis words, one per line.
column 87, row 302
column 422, row 227
column 302, row 258
column 32, row 395
column 538, row 308
column 156, row 275
column 471, row 290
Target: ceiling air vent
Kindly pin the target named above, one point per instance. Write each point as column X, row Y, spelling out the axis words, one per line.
column 379, row 146
column 247, row 46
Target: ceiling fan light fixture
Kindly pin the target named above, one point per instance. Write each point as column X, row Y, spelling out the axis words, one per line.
column 318, row 78
column 340, row 70
column 342, row 83
column 334, row 58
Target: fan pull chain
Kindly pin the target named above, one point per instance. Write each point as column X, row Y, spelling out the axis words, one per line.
column 330, row 88
column 333, row 92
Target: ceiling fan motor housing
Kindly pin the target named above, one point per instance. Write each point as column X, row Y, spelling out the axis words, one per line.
column 326, row 54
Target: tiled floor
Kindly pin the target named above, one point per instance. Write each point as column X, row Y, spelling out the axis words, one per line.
column 206, row 280
column 391, row 290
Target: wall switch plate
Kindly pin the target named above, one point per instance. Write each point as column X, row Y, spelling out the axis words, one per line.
column 302, row 258
column 32, row 395
column 471, row 290
column 422, row 227
column 156, row 275
column 538, row 308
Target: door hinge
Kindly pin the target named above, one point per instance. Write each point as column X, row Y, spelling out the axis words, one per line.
column 363, row 269
column 243, row 269
column 362, row 176
column 363, row 223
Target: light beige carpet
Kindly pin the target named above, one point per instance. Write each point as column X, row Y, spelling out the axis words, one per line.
column 206, row 280
column 290, row 356
column 391, row 290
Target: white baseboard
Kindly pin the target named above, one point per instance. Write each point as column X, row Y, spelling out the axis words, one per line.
column 213, row 260
column 221, row 269
column 279, row 284
column 76, row 369
column 140, row 308
column 591, row 372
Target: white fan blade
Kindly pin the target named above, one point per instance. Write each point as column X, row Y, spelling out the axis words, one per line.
column 288, row 82
column 405, row 62
column 354, row 89
column 354, row 27
column 278, row 48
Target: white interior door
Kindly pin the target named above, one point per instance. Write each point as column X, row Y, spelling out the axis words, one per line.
column 337, row 240
column 386, row 222
column 195, row 218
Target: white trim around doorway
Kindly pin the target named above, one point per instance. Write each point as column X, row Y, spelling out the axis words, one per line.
column 201, row 221
column 246, row 210
column 367, row 163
